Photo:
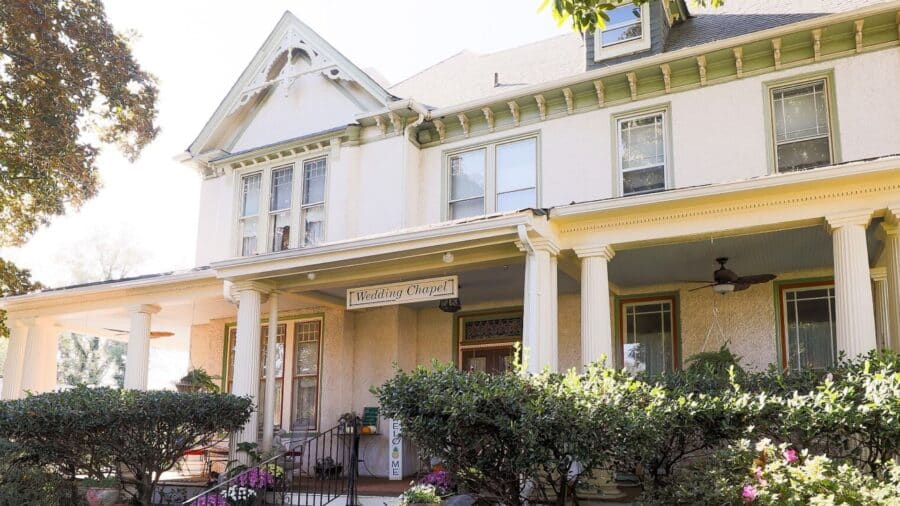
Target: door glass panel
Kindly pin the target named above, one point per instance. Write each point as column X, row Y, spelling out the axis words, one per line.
column 809, row 328
column 647, row 343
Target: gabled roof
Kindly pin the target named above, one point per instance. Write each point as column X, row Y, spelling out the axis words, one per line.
column 288, row 35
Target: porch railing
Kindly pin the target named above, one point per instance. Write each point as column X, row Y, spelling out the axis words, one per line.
column 314, row 472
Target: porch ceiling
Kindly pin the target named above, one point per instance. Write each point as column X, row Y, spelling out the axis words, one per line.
column 791, row 250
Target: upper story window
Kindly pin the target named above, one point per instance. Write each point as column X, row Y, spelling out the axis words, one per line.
column 249, row 220
column 801, row 124
column 292, row 203
column 280, row 208
column 494, row 178
column 627, row 31
column 642, row 153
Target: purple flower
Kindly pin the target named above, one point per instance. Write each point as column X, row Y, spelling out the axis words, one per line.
column 790, row 455
column 439, row 479
column 255, row 478
column 211, row 500
column 749, row 493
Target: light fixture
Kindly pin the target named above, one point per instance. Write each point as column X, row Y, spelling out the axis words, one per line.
column 450, row 305
column 311, row 276
column 448, row 257
column 723, row 288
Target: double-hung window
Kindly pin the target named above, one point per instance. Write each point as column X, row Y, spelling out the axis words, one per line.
column 624, row 24
column 648, row 335
column 642, row 153
column 801, row 121
column 312, row 208
column 249, row 219
column 808, row 326
column 280, row 208
column 494, row 178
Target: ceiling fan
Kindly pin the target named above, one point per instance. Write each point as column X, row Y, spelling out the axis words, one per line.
column 726, row 280
column 153, row 334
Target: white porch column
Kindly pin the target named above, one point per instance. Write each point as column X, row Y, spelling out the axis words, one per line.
column 855, row 312
column 39, row 361
column 271, row 340
column 882, row 307
column 15, row 360
column 596, row 322
column 540, row 340
column 137, row 358
column 246, row 357
column 892, row 253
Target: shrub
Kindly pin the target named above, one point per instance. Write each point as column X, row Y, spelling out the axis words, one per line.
column 99, row 431
column 420, row 494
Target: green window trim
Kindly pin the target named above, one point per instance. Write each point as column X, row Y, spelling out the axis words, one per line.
column 778, row 286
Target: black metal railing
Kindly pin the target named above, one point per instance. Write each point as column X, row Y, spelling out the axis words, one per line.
column 314, row 472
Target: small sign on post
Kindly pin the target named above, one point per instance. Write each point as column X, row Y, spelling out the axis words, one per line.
column 395, row 459
column 446, row 287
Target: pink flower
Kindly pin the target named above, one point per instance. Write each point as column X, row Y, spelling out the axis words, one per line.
column 749, row 493
column 758, row 473
column 790, row 455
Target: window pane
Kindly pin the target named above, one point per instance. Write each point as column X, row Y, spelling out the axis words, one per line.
column 279, row 350
column 642, row 142
column 281, row 231
column 800, row 112
column 314, row 181
column 467, row 175
column 305, row 392
column 281, row 188
column 648, row 337
column 644, row 180
column 308, row 357
column 624, row 14
column 250, row 194
column 621, row 34
column 313, row 219
column 489, row 360
column 514, row 201
column 248, row 236
column 810, row 329
column 516, row 165
column 803, row 155
column 466, row 208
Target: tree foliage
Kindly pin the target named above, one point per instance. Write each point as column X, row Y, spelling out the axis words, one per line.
column 89, row 360
column 588, row 15
column 96, row 432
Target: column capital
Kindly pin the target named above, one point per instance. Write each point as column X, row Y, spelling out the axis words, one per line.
column 878, row 273
column 604, row 251
column 888, row 229
column 892, row 216
column 256, row 286
column 144, row 308
column 539, row 244
column 856, row 217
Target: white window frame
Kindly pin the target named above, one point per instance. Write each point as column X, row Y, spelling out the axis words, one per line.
column 785, row 324
column 264, row 232
column 630, row 46
column 675, row 342
column 618, row 180
column 259, row 216
column 301, row 233
column 490, row 172
column 827, row 78
column 273, row 212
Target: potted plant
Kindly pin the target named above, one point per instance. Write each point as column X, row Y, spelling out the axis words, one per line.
column 103, row 492
column 327, row 469
column 198, row 380
column 420, row 494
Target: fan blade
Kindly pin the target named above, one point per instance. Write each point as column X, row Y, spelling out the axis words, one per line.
column 117, row 331
column 702, row 287
column 704, row 281
column 161, row 333
column 755, row 279
column 741, row 286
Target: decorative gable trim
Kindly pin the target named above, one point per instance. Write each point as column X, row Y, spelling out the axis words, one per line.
column 271, row 67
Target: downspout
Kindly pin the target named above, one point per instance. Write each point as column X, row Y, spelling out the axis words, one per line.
column 414, row 106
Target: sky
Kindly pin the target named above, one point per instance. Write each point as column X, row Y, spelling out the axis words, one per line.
column 197, row 49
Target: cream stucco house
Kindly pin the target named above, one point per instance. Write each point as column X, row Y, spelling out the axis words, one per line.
column 570, row 195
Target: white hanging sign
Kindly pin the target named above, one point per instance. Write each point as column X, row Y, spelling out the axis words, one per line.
column 405, row 292
column 395, row 450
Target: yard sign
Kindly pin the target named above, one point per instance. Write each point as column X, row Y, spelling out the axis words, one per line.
column 395, row 462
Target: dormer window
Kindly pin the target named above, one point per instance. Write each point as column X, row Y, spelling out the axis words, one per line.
column 626, row 32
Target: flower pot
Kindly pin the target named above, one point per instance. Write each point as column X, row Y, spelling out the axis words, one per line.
column 187, row 387
column 102, row 496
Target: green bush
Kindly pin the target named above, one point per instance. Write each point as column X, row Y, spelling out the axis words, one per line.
column 101, row 431
column 502, row 434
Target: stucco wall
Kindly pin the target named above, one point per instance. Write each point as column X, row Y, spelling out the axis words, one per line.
column 206, row 346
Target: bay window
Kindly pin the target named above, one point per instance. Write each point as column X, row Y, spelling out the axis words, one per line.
column 801, row 124
column 642, row 153
column 249, row 220
column 497, row 177
column 293, row 204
